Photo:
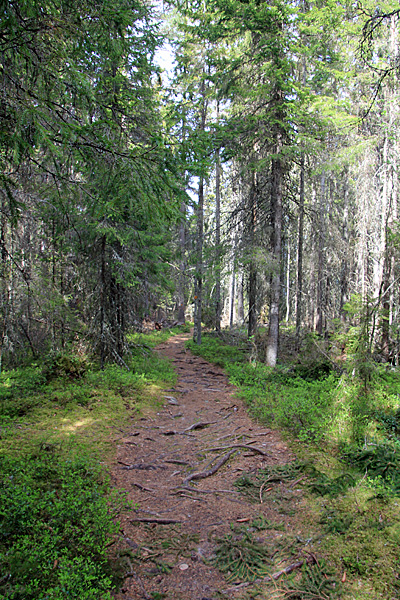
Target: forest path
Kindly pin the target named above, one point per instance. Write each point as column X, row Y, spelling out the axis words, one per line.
column 176, row 520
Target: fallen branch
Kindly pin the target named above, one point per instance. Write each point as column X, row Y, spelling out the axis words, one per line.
column 209, row 472
column 139, row 467
column 236, row 446
column 297, row 481
column 262, row 489
column 142, row 488
column 158, row 521
column 216, row 491
column 310, row 560
column 334, row 365
column 182, row 495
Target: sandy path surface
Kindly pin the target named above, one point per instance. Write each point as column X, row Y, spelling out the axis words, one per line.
column 171, row 533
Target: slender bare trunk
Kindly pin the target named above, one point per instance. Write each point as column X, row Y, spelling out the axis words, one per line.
column 198, row 288
column 273, row 330
column 233, row 287
column 300, row 244
column 319, row 326
column 102, row 303
column 288, row 282
column 252, row 267
column 218, row 305
column 182, row 265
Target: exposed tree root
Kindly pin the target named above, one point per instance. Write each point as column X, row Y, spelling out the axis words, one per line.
column 200, row 425
column 209, row 472
column 237, row 446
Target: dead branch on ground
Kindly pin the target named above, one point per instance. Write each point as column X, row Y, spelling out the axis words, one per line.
column 310, row 560
column 158, row 521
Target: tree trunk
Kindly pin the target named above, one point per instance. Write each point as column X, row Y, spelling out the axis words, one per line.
column 288, row 281
column 319, row 326
column 198, row 287
column 276, row 202
column 182, row 266
column 102, row 303
column 252, row 267
column 218, row 305
column 240, row 310
column 344, row 268
column 300, row 243
column 233, row 287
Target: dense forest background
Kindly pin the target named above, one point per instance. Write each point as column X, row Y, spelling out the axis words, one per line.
column 257, row 184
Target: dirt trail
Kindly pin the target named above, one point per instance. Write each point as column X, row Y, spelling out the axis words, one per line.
column 172, row 531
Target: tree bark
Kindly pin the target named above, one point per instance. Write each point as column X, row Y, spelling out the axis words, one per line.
column 198, row 287
column 300, row 244
column 252, row 267
column 218, row 305
column 276, row 201
column 319, row 326
column 103, row 302
column 233, row 287
column 182, row 265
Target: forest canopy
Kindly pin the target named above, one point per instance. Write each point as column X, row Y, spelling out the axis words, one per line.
column 255, row 186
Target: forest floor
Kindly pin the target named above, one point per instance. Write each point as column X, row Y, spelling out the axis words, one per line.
column 179, row 466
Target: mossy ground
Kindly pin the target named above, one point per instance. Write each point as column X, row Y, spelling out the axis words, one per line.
column 59, row 423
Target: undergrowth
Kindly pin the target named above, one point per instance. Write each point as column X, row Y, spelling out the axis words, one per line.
column 58, row 422
column 344, row 425
column 55, row 524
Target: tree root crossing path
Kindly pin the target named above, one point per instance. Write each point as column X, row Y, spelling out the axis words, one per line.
column 179, row 467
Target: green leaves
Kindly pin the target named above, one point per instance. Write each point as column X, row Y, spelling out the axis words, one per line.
column 55, row 524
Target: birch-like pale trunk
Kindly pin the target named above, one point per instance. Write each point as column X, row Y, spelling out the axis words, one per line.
column 273, row 329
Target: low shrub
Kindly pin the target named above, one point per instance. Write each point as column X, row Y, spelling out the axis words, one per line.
column 65, row 364
column 55, row 524
column 216, row 351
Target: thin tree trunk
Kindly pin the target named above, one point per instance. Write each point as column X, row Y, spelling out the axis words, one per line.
column 345, row 268
column 319, row 326
column 273, row 330
column 198, row 287
column 233, row 287
column 218, row 305
column 182, row 269
column 102, row 302
column 240, row 310
column 199, row 264
column 252, row 267
column 300, row 244
column 288, row 282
